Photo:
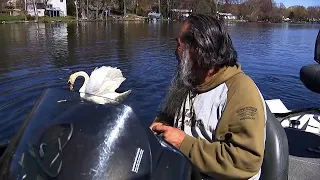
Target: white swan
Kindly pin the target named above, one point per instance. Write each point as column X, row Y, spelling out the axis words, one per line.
column 101, row 85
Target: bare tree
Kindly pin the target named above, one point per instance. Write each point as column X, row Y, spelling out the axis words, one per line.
column 168, row 6
column 35, row 10
column 265, row 9
column 242, row 9
column 313, row 12
column 124, row 8
column 206, row 7
column 77, row 13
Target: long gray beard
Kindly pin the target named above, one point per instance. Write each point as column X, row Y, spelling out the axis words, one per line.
column 181, row 84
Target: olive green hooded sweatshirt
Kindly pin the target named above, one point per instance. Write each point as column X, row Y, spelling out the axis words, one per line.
column 236, row 148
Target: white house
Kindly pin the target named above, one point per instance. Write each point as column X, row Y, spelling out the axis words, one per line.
column 228, row 16
column 55, row 8
column 57, row 5
column 180, row 13
column 35, row 9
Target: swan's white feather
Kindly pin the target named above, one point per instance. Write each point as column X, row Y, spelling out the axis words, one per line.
column 104, row 80
column 112, row 97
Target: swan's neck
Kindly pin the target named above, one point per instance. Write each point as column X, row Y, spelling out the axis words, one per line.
column 86, row 79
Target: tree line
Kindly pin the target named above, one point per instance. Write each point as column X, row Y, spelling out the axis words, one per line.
column 268, row 10
column 251, row 10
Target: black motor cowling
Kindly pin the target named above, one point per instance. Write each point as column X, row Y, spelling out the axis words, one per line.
column 66, row 138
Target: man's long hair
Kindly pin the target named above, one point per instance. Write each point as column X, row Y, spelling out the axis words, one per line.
column 210, row 42
column 211, row 47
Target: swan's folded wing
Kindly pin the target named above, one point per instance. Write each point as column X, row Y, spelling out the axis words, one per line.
column 110, row 85
column 104, row 80
column 93, row 86
column 107, row 71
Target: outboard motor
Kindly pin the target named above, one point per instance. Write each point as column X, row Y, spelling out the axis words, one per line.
column 310, row 74
column 66, row 138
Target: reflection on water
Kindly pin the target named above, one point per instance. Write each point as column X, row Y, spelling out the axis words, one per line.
column 39, row 56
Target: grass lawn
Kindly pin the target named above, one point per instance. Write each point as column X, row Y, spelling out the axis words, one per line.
column 40, row 19
column 67, row 18
column 11, row 18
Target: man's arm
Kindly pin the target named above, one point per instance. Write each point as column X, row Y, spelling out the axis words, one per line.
column 239, row 149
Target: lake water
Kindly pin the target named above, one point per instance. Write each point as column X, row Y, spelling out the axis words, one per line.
column 34, row 57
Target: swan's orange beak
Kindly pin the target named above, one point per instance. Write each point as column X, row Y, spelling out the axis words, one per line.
column 70, row 85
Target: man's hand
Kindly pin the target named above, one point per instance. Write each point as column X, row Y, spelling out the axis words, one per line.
column 155, row 124
column 173, row 135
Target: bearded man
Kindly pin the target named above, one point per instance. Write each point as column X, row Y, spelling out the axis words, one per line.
column 213, row 112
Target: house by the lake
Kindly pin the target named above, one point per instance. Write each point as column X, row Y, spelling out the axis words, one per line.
column 227, row 16
column 180, row 14
column 54, row 8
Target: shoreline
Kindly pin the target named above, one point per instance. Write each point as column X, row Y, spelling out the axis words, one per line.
column 64, row 21
column 70, row 20
column 120, row 19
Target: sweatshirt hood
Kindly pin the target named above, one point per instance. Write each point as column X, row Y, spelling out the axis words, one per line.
column 220, row 77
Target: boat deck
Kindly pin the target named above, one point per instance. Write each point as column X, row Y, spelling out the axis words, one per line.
column 304, row 162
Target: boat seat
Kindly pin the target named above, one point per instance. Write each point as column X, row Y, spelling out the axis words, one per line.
column 276, row 156
column 310, row 77
column 310, row 74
